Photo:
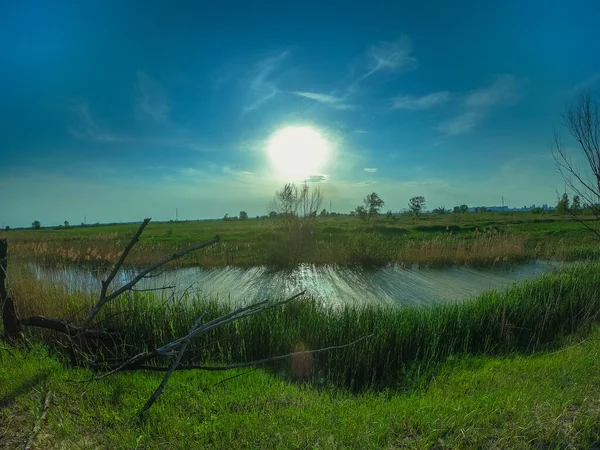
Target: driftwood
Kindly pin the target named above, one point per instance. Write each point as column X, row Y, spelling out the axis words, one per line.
column 174, row 349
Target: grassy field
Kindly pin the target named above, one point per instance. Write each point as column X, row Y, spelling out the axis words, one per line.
column 466, row 239
column 544, row 400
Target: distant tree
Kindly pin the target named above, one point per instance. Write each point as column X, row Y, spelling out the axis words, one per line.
column 372, row 205
column 562, row 207
column 273, row 214
column 66, row 224
column 361, row 212
column 353, row 212
column 7, row 228
column 323, row 212
column 576, row 205
column 226, row 217
column 416, row 205
column 481, row 209
column 36, row 225
column 440, row 210
column 243, row 215
column 389, row 214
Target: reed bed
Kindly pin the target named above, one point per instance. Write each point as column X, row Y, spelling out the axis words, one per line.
column 405, row 342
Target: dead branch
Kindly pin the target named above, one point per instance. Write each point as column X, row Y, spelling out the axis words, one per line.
column 256, row 362
column 65, row 327
column 165, row 380
column 168, row 349
column 104, row 298
column 41, row 420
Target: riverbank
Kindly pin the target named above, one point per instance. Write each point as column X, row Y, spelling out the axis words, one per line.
column 470, row 239
column 532, row 316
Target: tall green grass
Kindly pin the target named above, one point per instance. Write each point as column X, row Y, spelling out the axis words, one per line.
column 405, row 341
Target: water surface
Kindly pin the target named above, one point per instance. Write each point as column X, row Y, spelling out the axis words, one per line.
column 392, row 285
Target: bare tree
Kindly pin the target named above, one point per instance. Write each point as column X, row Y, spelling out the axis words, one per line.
column 292, row 201
column 582, row 120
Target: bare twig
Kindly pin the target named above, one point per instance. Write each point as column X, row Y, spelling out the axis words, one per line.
column 256, row 362
column 41, row 420
column 104, row 298
column 167, row 349
column 165, row 380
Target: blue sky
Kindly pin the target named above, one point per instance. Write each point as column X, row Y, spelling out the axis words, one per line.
column 121, row 110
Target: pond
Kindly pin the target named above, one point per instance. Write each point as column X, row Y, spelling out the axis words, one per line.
column 392, row 285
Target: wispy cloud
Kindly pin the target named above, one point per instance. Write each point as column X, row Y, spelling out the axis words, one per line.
column 261, row 86
column 329, row 100
column 502, row 91
column 588, row 82
column 370, row 169
column 86, row 127
column 390, row 57
column 151, row 98
column 414, row 103
column 464, row 123
column 477, row 104
column 318, row 178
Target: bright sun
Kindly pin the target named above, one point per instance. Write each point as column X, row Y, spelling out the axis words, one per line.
column 297, row 152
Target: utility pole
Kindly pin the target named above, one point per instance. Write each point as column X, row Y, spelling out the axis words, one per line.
column 176, row 214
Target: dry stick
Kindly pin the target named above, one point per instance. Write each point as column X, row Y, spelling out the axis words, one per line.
column 257, row 362
column 165, row 380
column 38, row 425
column 113, row 273
column 247, row 311
column 107, row 298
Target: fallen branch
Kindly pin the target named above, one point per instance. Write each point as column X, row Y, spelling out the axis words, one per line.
column 65, row 327
column 168, row 349
column 165, row 380
column 253, row 363
column 41, row 420
column 105, row 298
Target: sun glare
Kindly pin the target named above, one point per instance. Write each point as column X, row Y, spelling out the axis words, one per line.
column 297, row 152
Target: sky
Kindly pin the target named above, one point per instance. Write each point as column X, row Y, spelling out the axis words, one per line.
column 114, row 111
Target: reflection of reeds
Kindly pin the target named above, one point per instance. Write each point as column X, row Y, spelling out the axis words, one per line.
column 528, row 317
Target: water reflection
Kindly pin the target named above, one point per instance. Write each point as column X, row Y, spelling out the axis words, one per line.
column 331, row 284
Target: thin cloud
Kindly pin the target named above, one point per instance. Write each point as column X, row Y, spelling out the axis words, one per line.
column 87, row 128
column 390, row 57
column 370, row 169
column 261, row 88
column 477, row 104
column 329, row 100
column 588, row 82
column 462, row 124
column 413, row 103
column 151, row 100
column 501, row 91
column 319, row 178
column 246, row 173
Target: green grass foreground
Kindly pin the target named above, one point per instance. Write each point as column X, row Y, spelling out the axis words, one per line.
column 546, row 400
